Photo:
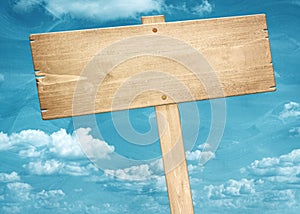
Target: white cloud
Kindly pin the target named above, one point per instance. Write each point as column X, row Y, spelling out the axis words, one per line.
column 44, row 168
column 50, row 194
column 103, row 10
column 65, row 145
column 192, row 168
column 50, row 167
column 12, row 177
column 193, row 155
column 34, row 138
column 91, row 9
column 153, row 170
column 49, row 199
column 20, row 195
column 4, row 141
column 151, row 175
column 285, row 198
column 19, row 191
column 284, row 169
column 69, row 145
column 231, row 188
column 157, row 166
column 203, row 8
column 291, row 109
column 31, row 137
column 134, row 173
column 95, row 148
column 46, row 154
column 199, row 156
column 271, row 182
column 138, row 177
column 143, row 172
column 30, row 153
column 36, row 143
column 244, row 194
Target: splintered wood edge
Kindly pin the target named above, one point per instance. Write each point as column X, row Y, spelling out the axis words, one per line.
column 38, row 74
column 273, row 87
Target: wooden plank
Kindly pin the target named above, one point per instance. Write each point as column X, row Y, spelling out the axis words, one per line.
column 174, row 160
column 236, row 48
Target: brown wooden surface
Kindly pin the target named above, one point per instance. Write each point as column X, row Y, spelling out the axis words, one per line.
column 174, row 160
column 173, row 153
column 237, row 49
column 153, row 19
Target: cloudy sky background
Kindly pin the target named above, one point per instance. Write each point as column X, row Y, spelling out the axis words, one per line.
column 43, row 169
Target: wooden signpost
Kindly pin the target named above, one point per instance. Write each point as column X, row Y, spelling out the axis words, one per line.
column 236, row 49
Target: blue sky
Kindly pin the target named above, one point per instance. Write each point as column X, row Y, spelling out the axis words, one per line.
column 43, row 169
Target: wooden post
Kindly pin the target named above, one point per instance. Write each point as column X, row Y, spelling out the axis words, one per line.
column 172, row 148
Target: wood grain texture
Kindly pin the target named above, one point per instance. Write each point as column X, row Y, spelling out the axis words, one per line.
column 236, row 48
column 173, row 153
column 174, row 160
column 153, row 19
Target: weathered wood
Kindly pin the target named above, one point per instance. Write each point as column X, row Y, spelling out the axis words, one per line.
column 237, row 49
column 173, row 153
column 174, row 160
column 153, row 19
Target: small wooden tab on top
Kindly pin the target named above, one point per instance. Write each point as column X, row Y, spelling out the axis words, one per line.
column 153, row 19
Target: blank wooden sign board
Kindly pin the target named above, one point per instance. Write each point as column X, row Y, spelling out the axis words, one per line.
column 107, row 68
